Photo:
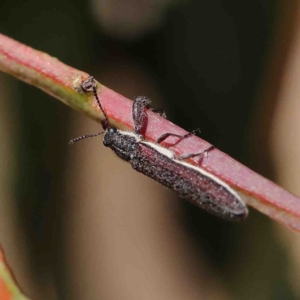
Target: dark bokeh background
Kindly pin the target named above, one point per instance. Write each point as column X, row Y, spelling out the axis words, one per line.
column 205, row 61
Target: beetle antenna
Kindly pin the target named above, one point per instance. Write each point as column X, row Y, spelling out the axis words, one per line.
column 90, row 85
column 80, row 138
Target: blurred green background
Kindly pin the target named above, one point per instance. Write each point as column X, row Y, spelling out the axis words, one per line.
column 205, row 63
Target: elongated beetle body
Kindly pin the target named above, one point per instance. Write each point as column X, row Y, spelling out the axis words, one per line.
column 190, row 182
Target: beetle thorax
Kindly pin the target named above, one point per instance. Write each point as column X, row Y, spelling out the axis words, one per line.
column 121, row 142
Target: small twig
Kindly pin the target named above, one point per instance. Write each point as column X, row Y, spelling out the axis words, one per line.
column 63, row 82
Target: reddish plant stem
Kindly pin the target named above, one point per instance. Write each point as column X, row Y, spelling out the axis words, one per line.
column 63, row 82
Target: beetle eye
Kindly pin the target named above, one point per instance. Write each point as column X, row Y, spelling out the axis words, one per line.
column 112, row 130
